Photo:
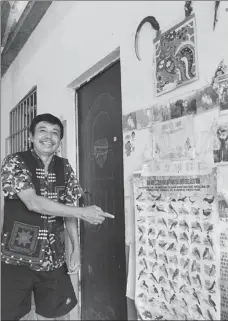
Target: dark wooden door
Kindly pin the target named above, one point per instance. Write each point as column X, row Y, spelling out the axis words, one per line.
column 101, row 175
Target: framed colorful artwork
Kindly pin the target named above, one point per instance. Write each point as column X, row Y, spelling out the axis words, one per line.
column 175, row 57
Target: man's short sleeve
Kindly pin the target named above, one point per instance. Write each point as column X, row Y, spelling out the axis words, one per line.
column 15, row 176
column 73, row 188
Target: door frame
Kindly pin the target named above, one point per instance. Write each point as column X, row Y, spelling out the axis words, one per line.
column 75, row 85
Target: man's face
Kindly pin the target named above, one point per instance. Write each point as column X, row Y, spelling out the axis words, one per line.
column 46, row 138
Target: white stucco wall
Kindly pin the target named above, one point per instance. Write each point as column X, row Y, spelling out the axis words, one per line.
column 75, row 35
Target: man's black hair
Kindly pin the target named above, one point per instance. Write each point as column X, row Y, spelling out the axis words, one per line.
column 49, row 118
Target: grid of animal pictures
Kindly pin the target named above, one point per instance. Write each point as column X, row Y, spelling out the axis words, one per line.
column 177, row 266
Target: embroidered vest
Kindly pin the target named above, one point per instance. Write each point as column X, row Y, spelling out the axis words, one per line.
column 24, row 234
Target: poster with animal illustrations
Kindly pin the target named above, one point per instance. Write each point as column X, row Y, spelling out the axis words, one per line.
column 177, row 247
column 175, row 57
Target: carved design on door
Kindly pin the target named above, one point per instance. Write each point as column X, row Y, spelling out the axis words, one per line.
column 101, row 151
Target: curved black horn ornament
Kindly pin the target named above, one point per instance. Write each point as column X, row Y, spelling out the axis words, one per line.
column 154, row 24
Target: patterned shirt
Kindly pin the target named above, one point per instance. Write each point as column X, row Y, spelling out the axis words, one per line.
column 17, row 177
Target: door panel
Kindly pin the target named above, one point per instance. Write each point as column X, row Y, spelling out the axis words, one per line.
column 101, row 174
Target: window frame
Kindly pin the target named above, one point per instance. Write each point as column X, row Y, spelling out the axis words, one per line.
column 19, row 122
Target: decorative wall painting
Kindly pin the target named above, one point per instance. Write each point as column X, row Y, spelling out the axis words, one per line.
column 177, row 236
column 175, row 57
column 206, row 99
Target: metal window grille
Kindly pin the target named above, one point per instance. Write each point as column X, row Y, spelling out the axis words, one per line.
column 20, row 119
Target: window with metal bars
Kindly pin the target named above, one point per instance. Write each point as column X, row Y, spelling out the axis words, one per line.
column 20, row 119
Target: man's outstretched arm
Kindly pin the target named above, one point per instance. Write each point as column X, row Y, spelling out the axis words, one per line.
column 17, row 180
column 42, row 205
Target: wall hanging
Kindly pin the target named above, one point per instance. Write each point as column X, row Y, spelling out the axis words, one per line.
column 175, row 57
column 154, row 24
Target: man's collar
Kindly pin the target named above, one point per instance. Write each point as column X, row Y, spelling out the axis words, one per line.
column 37, row 157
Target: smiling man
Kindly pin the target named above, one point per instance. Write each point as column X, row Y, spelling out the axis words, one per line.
column 41, row 193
